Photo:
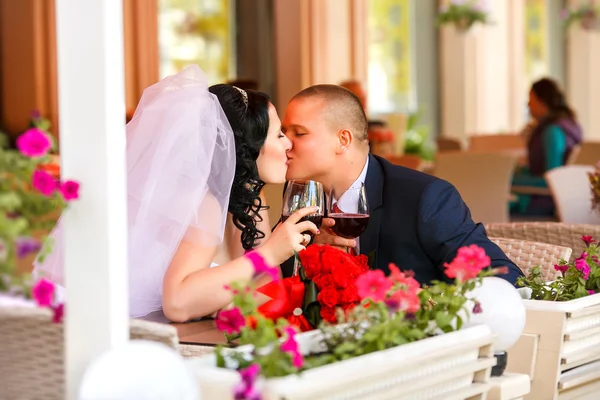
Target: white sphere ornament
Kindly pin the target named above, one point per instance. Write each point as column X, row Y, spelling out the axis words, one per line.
column 502, row 309
column 140, row 370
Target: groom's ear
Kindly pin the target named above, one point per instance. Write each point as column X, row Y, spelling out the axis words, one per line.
column 345, row 139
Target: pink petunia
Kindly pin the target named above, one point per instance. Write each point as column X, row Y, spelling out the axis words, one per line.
column 404, row 300
column 587, row 240
column 59, row 312
column 291, row 347
column 43, row 182
column 34, row 143
column 373, row 285
column 468, row 263
column 69, row 190
column 474, row 256
column 230, row 321
column 561, row 268
column 43, row 293
column 246, row 389
column 582, row 265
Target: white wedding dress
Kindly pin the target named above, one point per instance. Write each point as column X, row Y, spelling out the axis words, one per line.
column 180, row 167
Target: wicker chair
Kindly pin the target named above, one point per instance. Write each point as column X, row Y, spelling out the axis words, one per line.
column 530, row 254
column 557, row 233
column 32, row 351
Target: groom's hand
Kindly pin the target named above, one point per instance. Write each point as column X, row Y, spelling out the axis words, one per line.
column 328, row 237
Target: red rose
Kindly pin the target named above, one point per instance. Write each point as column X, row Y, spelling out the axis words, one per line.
column 310, row 258
column 349, row 295
column 342, row 278
column 323, row 281
column 362, row 262
column 328, row 314
column 328, row 297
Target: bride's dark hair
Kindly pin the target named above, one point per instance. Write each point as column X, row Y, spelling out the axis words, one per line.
column 249, row 121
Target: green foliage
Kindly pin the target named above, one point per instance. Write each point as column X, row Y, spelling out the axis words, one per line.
column 369, row 327
column 417, row 138
column 586, row 14
column 572, row 284
column 24, row 212
column 464, row 14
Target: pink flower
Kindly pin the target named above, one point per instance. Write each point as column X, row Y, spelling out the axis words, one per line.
column 230, row 321
column 477, row 308
column 591, row 292
column 43, row 182
column 34, row 143
column 561, row 268
column 467, row 264
column 373, row 285
column 246, row 389
column 69, row 190
column 59, row 312
column 261, row 267
column 405, row 279
column 291, row 346
column 587, row 240
column 404, row 300
column 43, row 293
column 582, row 265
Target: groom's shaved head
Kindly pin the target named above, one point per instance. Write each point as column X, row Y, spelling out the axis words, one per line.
column 341, row 108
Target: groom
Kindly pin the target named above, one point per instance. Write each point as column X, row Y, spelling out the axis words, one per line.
column 417, row 221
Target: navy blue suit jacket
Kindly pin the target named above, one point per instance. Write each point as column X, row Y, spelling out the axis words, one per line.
column 418, row 222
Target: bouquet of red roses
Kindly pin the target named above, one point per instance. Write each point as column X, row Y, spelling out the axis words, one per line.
column 326, row 283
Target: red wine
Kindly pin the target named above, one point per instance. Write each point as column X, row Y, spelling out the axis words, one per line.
column 316, row 219
column 349, row 226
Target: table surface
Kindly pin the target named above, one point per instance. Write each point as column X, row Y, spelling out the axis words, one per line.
column 200, row 332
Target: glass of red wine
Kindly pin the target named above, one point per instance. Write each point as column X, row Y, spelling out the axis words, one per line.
column 300, row 194
column 350, row 212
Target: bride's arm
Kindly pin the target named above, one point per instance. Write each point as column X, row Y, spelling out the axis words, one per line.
column 191, row 292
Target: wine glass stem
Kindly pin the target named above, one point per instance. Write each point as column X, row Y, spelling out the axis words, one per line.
column 296, row 265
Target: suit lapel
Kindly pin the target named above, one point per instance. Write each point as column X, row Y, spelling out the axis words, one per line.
column 369, row 240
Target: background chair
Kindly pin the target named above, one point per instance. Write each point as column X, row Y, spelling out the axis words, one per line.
column 483, row 180
column 32, row 349
column 587, row 153
column 528, row 254
column 556, row 233
column 570, row 189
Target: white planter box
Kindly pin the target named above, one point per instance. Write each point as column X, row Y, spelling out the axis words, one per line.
column 451, row 366
column 560, row 348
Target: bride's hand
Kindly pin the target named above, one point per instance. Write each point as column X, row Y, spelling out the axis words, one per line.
column 288, row 237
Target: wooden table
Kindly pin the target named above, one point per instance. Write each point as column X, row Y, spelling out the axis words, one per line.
column 200, row 332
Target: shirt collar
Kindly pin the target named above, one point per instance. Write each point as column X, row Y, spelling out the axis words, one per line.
column 362, row 176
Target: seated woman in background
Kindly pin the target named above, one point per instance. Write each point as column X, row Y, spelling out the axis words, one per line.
column 549, row 143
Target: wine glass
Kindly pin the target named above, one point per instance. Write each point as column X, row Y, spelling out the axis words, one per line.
column 300, row 194
column 350, row 213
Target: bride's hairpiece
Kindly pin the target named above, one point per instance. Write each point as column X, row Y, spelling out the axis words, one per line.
column 244, row 95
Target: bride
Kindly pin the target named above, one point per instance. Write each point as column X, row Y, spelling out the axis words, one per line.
column 197, row 159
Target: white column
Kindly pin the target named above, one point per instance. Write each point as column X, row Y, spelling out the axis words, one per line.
column 583, row 79
column 92, row 115
column 481, row 88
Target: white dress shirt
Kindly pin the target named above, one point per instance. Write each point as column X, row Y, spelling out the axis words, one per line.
column 348, row 202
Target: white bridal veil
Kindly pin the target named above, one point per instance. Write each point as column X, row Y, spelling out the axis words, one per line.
column 180, row 167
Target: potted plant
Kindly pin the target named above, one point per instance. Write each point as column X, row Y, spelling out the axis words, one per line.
column 463, row 14
column 561, row 329
column 588, row 16
column 376, row 345
column 30, row 197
